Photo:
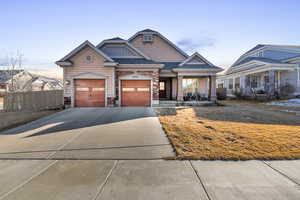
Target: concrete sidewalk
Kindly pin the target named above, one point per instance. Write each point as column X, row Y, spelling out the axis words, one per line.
column 148, row 180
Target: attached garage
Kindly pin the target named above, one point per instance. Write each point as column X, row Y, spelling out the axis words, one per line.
column 135, row 93
column 89, row 92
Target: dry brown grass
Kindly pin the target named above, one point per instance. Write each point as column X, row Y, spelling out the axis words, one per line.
column 232, row 132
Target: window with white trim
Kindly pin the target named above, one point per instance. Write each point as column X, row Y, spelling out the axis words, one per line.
column 148, row 38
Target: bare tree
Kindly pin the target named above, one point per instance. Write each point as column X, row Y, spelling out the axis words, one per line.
column 14, row 62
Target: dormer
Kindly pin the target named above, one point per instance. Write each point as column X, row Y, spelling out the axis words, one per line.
column 119, row 48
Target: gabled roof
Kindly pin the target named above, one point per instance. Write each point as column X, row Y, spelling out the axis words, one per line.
column 255, row 48
column 292, row 58
column 115, row 38
column 186, row 65
column 176, row 65
column 80, row 47
column 195, row 55
column 262, row 59
column 149, row 31
column 120, row 40
column 262, row 47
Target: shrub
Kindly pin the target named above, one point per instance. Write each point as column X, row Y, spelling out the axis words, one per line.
column 287, row 90
column 221, row 93
column 239, row 94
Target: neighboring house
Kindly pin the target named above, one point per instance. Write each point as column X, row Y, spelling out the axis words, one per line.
column 266, row 69
column 4, row 77
column 39, row 83
column 22, row 80
column 139, row 71
column 13, row 79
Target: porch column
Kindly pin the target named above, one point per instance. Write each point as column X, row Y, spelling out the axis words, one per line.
column 179, row 88
column 298, row 77
column 174, row 88
column 271, row 90
column 242, row 81
column 212, row 88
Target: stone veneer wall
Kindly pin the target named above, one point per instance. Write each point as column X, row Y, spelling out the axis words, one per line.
column 153, row 74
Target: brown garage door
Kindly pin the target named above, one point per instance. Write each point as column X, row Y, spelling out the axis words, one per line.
column 136, row 93
column 89, row 93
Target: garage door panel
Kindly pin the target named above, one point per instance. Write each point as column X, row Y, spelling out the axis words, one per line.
column 89, row 93
column 136, row 92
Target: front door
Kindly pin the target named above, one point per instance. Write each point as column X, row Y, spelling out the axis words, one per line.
column 162, row 90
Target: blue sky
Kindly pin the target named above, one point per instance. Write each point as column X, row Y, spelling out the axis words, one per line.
column 44, row 31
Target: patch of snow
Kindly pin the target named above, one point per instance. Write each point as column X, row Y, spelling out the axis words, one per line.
column 290, row 102
column 292, row 111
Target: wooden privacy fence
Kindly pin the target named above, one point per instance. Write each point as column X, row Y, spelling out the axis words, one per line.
column 33, row 100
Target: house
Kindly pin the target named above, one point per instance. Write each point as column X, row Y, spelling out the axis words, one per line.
column 141, row 71
column 264, row 69
column 5, row 77
column 22, row 80
column 42, row 83
column 13, row 79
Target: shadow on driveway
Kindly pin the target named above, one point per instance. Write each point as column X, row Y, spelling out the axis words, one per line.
column 76, row 118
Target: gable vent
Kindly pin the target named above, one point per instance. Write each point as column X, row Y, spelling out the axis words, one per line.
column 148, row 38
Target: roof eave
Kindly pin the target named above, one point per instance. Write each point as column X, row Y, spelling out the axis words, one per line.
column 197, row 70
column 196, row 54
column 63, row 63
column 81, row 46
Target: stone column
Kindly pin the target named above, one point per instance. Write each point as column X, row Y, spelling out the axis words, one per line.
column 212, row 88
column 179, row 88
column 174, row 88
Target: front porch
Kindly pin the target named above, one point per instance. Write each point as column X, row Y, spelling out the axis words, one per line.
column 271, row 83
column 187, row 90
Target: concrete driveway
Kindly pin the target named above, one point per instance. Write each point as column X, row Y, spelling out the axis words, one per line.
column 115, row 154
column 89, row 133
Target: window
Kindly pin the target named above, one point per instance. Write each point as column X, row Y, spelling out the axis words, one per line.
column 230, row 85
column 190, row 86
column 147, row 38
column 88, row 58
column 255, row 81
column 260, row 54
column 266, row 79
column 143, row 89
column 220, row 85
column 161, row 85
column 237, row 83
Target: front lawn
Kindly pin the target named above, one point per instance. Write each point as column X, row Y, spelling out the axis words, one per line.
column 232, row 132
